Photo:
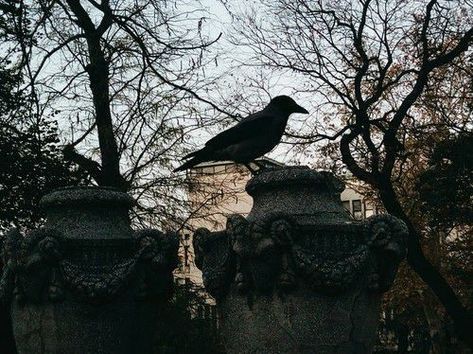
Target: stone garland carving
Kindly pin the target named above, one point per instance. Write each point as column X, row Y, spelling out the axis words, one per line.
column 387, row 237
column 157, row 258
column 214, row 258
column 44, row 264
column 274, row 254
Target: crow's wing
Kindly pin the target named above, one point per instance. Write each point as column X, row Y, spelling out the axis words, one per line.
column 252, row 126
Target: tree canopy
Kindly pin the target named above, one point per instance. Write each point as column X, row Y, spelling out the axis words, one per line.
column 127, row 81
column 31, row 162
column 446, row 187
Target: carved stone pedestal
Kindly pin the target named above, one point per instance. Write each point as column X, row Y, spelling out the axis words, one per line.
column 86, row 282
column 298, row 275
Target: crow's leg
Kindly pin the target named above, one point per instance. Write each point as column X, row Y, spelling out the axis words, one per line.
column 261, row 166
column 252, row 170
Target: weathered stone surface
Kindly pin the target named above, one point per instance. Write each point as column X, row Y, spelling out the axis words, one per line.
column 90, row 292
column 69, row 212
column 300, row 192
column 300, row 322
column 77, row 327
column 298, row 275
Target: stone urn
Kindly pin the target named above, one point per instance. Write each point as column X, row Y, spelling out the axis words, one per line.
column 86, row 282
column 298, row 275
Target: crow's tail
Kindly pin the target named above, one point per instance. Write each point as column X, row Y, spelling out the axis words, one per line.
column 202, row 155
column 188, row 164
column 192, row 154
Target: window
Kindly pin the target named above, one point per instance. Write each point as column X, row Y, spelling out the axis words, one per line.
column 219, row 169
column 346, row 205
column 186, row 255
column 208, row 170
column 357, row 209
column 369, row 209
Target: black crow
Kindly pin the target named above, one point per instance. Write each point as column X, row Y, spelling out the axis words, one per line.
column 252, row 137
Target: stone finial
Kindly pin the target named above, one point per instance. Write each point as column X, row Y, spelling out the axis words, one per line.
column 299, row 268
column 299, row 232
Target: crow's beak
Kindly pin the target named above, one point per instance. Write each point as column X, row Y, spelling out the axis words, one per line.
column 299, row 109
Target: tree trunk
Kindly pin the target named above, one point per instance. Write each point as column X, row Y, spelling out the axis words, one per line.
column 434, row 323
column 99, row 83
column 98, row 71
column 7, row 342
column 462, row 319
column 403, row 338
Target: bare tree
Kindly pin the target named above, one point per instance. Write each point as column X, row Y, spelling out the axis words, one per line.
column 129, row 77
column 368, row 65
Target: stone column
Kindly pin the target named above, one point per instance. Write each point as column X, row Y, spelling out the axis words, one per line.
column 86, row 282
column 298, row 275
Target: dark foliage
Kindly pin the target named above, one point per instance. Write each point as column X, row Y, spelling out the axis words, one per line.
column 189, row 325
column 446, row 188
column 31, row 161
column 31, row 165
